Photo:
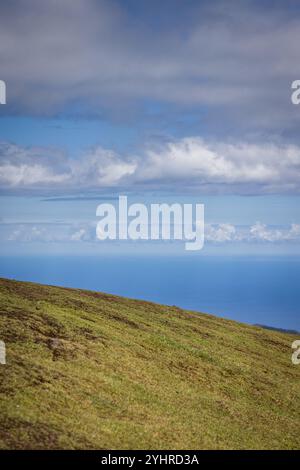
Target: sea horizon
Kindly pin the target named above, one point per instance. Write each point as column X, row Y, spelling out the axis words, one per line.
column 256, row 290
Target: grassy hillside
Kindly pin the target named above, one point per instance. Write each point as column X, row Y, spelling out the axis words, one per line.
column 89, row 370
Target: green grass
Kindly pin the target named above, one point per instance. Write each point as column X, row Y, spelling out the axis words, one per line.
column 87, row 370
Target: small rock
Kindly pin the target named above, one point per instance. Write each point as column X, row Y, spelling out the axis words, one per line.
column 54, row 343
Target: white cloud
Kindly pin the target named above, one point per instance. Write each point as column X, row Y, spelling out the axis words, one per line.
column 22, row 167
column 294, row 232
column 268, row 165
column 260, row 232
column 217, row 234
column 80, row 235
column 24, row 233
column 192, row 162
column 101, row 167
column 29, row 175
column 49, row 233
column 220, row 233
column 43, row 168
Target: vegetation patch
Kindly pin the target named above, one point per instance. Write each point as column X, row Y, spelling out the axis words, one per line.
column 87, row 370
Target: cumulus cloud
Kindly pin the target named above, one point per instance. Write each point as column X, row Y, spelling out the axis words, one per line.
column 80, row 235
column 48, row 233
column 101, row 167
column 41, row 168
column 261, row 232
column 105, row 55
column 217, row 234
column 30, row 233
column 267, row 166
column 192, row 163
column 27, row 167
column 220, row 233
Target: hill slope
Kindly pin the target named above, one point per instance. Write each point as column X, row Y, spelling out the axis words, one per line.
column 89, row 370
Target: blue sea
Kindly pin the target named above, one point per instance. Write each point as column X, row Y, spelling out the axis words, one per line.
column 263, row 290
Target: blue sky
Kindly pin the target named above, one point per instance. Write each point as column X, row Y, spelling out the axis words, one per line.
column 163, row 101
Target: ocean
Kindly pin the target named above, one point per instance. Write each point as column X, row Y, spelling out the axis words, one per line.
column 264, row 290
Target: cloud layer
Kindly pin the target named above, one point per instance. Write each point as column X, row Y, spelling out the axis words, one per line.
column 235, row 59
column 51, row 170
column 238, row 166
column 259, row 232
column 217, row 234
column 185, row 164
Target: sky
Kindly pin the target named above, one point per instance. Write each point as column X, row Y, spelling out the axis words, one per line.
column 179, row 101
